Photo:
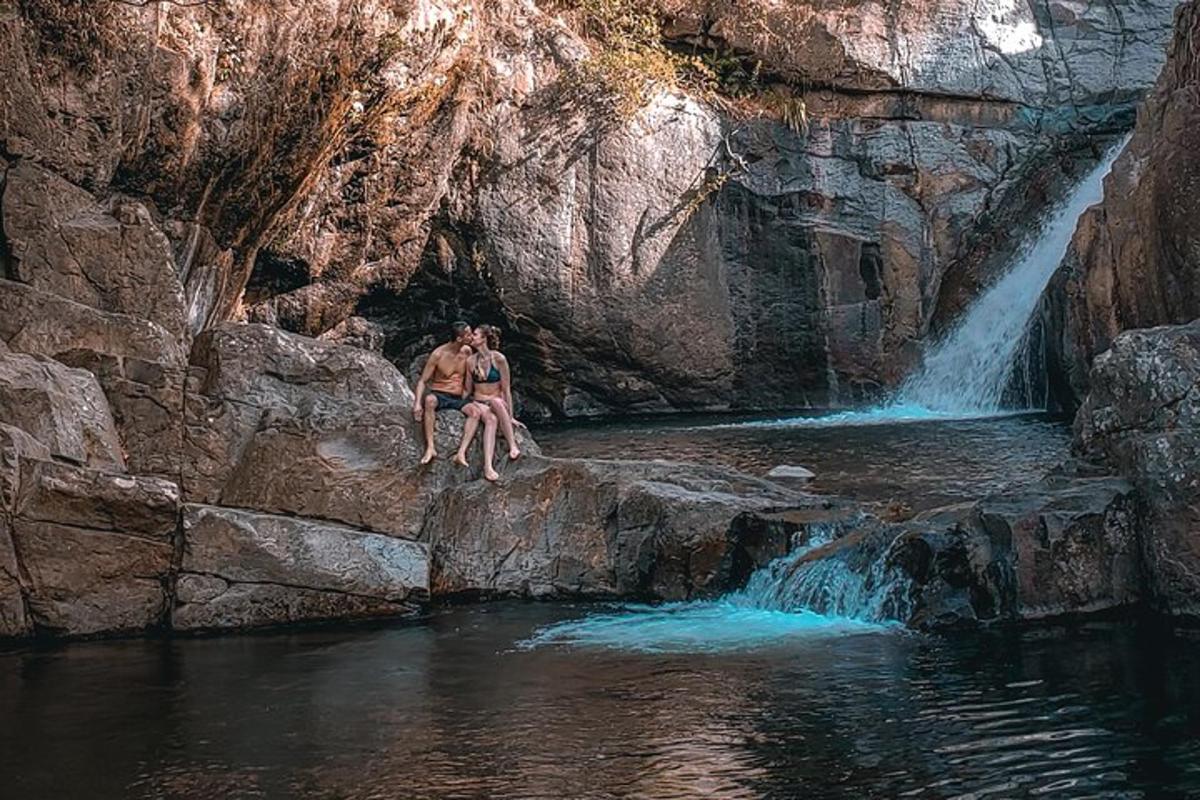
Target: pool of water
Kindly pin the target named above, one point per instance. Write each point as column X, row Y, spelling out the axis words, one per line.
column 510, row 701
column 914, row 460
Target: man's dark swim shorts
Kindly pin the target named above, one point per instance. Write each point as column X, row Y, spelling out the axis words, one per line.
column 449, row 401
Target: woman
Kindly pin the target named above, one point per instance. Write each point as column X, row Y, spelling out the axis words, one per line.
column 489, row 385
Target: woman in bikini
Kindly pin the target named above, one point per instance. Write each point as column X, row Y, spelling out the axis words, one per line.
column 490, row 386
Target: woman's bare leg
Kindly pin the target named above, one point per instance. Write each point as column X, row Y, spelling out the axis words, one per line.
column 474, row 412
column 489, row 446
column 504, row 417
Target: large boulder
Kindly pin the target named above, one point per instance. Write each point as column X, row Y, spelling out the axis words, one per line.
column 115, row 258
column 242, row 569
column 95, row 550
column 288, row 424
column 139, row 364
column 63, row 408
column 585, row 528
column 1067, row 546
column 1142, row 417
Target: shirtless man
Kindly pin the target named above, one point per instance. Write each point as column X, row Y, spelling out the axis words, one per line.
column 445, row 377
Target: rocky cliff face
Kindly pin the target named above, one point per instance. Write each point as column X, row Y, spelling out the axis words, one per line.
column 396, row 164
column 1135, row 260
column 700, row 255
column 362, row 170
column 1142, row 417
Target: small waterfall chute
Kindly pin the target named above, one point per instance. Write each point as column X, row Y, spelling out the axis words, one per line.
column 967, row 372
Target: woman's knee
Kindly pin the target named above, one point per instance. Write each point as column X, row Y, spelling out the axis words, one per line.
column 489, row 419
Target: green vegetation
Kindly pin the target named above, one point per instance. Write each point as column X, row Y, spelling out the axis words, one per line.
column 631, row 61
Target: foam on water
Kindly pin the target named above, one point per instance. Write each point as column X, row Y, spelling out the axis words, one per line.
column 697, row 627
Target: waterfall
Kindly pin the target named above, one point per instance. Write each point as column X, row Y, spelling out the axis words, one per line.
column 793, row 597
column 871, row 591
column 968, row 370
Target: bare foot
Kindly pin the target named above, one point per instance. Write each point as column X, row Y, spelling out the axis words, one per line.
column 461, row 460
column 514, row 454
column 491, row 474
column 430, row 455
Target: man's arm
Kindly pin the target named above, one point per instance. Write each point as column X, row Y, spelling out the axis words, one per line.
column 468, row 376
column 418, row 409
column 468, row 381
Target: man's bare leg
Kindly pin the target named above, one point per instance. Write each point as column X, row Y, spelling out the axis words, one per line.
column 489, row 446
column 474, row 413
column 504, row 417
column 427, row 424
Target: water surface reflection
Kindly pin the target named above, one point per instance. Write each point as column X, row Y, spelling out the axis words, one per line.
column 922, row 464
column 452, row 707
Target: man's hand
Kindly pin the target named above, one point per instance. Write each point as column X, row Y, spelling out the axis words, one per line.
column 418, row 412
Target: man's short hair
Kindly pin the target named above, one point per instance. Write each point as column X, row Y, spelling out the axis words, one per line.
column 457, row 328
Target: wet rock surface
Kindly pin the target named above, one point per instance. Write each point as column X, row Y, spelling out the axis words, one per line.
column 1069, row 546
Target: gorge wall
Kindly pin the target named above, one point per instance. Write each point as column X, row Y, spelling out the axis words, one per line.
column 363, row 171
column 1135, row 260
column 704, row 253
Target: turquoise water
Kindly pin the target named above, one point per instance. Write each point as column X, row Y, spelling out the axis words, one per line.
column 696, row 627
column 891, row 414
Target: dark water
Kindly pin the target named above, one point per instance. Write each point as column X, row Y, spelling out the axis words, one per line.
column 923, row 464
column 450, row 707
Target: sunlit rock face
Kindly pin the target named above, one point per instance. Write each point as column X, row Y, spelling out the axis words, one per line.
column 408, row 163
column 936, row 136
column 220, row 115
column 1135, row 260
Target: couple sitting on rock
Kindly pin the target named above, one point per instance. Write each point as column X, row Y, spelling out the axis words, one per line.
column 468, row 374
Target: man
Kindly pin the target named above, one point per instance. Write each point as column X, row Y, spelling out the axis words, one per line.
column 445, row 377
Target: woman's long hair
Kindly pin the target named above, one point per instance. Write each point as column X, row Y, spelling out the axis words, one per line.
column 492, row 334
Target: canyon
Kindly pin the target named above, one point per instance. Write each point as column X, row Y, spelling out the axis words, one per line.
column 231, row 229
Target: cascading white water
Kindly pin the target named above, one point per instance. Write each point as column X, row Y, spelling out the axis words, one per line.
column 967, row 372
column 828, row 586
column 789, row 598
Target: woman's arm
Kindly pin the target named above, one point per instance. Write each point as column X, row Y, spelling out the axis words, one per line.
column 469, row 378
column 506, row 388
